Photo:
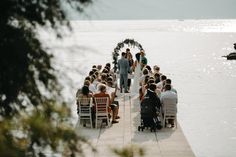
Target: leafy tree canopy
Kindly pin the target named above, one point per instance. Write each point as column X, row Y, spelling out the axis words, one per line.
column 25, row 69
column 24, row 64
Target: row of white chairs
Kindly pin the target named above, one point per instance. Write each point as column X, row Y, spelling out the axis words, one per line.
column 101, row 106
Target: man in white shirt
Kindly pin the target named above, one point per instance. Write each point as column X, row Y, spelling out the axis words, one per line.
column 169, row 96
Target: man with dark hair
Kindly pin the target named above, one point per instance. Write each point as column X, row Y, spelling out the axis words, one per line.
column 168, row 82
column 108, row 65
column 150, row 106
column 91, row 73
column 149, row 69
column 94, row 66
column 154, row 99
column 157, row 77
column 124, row 69
column 87, row 78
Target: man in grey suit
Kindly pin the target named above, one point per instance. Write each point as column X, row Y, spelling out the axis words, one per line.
column 124, row 68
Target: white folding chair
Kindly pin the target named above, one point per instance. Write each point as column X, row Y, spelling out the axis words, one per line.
column 169, row 110
column 85, row 112
column 101, row 104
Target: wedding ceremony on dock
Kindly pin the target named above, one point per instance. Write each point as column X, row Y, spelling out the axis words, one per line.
column 136, row 96
column 194, row 66
column 127, row 78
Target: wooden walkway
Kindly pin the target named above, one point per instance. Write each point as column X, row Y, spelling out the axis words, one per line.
column 163, row 143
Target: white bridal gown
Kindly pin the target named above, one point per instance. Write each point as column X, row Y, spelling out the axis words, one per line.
column 137, row 74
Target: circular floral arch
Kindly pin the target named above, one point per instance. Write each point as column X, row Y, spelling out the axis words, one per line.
column 120, row 45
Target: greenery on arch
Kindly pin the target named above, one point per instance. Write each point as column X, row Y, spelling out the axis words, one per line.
column 120, row 45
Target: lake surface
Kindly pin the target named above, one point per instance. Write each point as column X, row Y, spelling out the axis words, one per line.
column 155, row 9
column 189, row 52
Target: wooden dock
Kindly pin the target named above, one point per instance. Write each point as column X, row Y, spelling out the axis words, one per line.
column 167, row 142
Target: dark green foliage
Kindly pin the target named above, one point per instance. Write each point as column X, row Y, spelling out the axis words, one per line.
column 44, row 127
column 25, row 69
column 23, row 61
column 37, row 11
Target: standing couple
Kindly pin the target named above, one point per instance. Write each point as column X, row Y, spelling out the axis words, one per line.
column 124, row 69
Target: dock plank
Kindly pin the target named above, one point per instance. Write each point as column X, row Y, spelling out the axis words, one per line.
column 163, row 143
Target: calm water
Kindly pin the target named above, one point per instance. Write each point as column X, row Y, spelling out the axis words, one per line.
column 155, row 9
column 188, row 52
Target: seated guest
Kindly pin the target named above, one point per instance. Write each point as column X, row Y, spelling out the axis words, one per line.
column 96, row 78
column 156, row 69
column 108, row 68
column 86, row 83
column 92, row 86
column 112, row 92
column 110, row 79
column 105, row 71
column 99, row 67
column 91, row 73
column 94, row 66
column 102, row 93
column 151, row 94
column 145, row 84
column 94, row 70
column 160, row 84
column 157, row 77
column 108, row 65
column 168, row 81
column 150, row 81
column 163, row 86
column 85, row 93
column 142, row 78
column 170, row 96
column 149, row 69
column 103, row 77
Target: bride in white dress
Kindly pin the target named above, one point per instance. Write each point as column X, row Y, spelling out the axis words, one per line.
column 137, row 74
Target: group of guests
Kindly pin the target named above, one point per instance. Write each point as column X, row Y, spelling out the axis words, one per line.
column 157, row 87
column 152, row 83
column 100, row 82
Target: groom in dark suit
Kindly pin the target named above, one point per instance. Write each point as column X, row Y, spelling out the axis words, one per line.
column 124, row 69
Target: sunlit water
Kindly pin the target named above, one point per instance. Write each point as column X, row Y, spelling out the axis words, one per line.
column 188, row 52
